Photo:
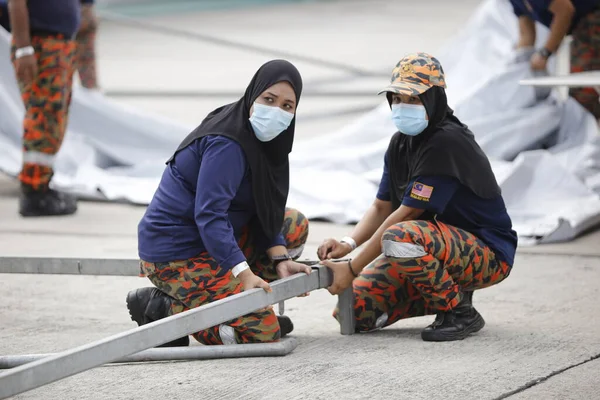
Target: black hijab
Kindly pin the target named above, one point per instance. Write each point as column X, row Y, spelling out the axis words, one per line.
column 268, row 161
column 446, row 147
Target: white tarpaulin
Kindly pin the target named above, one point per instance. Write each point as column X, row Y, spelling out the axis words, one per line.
column 545, row 152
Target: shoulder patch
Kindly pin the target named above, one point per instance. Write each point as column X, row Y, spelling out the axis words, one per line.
column 421, row 192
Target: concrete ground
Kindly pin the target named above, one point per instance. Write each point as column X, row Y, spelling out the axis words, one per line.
column 542, row 338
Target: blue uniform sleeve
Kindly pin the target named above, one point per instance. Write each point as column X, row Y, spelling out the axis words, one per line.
column 261, row 241
column 431, row 193
column 221, row 172
column 384, row 185
column 279, row 241
column 518, row 7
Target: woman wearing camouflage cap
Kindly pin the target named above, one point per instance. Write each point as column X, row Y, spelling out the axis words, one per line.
column 439, row 218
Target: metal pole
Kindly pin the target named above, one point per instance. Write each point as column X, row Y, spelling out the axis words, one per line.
column 70, row 266
column 78, row 266
column 346, row 311
column 277, row 349
column 82, row 358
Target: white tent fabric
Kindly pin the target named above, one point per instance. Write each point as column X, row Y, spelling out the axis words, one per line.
column 545, row 152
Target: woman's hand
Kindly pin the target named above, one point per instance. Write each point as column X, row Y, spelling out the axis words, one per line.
column 331, row 248
column 251, row 281
column 289, row 268
column 342, row 276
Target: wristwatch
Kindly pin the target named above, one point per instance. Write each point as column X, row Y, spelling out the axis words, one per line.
column 279, row 259
column 544, row 52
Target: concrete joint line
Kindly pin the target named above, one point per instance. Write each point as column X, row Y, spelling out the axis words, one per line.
column 543, row 379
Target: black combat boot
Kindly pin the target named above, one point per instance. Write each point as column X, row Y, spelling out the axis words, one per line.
column 148, row 305
column 47, row 202
column 286, row 326
column 455, row 324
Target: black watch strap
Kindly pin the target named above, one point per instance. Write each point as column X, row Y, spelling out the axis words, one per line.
column 544, row 52
column 279, row 259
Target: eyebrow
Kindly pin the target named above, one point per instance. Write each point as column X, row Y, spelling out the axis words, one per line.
column 274, row 95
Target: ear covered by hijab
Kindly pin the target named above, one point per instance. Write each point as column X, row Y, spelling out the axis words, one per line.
column 269, row 162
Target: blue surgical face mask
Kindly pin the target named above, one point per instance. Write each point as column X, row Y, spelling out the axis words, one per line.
column 268, row 122
column 410, row 119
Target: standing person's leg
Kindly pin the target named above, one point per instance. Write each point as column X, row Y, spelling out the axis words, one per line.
column 86, row 47
column 585, row 56
column 46, row 102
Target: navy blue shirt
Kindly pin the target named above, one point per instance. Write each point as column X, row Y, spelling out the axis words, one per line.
column 538, row 10
column 455, row 204
column 203, row 202
column 4, row 20
column 48, row 16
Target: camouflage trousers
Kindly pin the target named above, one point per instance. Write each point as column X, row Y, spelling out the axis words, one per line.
column 46, row 101
column 585, row 56
column 200, row 280
column 86, row 47
column 424, row 269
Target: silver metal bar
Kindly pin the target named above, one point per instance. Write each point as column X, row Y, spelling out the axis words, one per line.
column 278, row 349
column 82, row 358
column 70, row 266
column 77, row 266
column 346, row 311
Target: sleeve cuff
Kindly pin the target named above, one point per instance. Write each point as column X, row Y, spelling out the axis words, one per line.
column 241, row 267
column 279, row 241
column 414, row 203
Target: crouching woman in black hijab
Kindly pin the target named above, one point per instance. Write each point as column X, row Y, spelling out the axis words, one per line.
column 217, row 224
column 439, row 218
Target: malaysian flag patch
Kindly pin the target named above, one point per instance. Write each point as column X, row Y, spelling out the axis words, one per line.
column 421, row 192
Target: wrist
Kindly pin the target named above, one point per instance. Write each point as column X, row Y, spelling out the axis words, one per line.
column 24, row 51
column 349, row 241
column 352, row 269
column 280, row 258
column 544, row 52
column 240, row 269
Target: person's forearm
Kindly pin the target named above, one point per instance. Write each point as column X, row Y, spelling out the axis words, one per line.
column 563, row 11
column 373, row 248
column 19, row 22
column 369, row 223
column 277, row 251
column 526, row 32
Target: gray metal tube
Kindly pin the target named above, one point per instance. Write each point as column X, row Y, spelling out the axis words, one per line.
column 78, row 266
column 61, row 365
column 278, row 349
column 346, row 311
column 69, row 266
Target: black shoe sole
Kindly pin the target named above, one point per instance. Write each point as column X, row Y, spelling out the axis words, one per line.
column 286, row 326
column 40, row 213
column 137, row 315
column 440, row 336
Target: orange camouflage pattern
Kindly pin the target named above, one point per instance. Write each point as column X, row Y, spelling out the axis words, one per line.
column 46, row 100
column 456, row 261
column 415, row 74
column 585, row 56
column 200, row 280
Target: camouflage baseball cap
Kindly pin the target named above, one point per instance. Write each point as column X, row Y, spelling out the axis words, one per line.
column 415, row 74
